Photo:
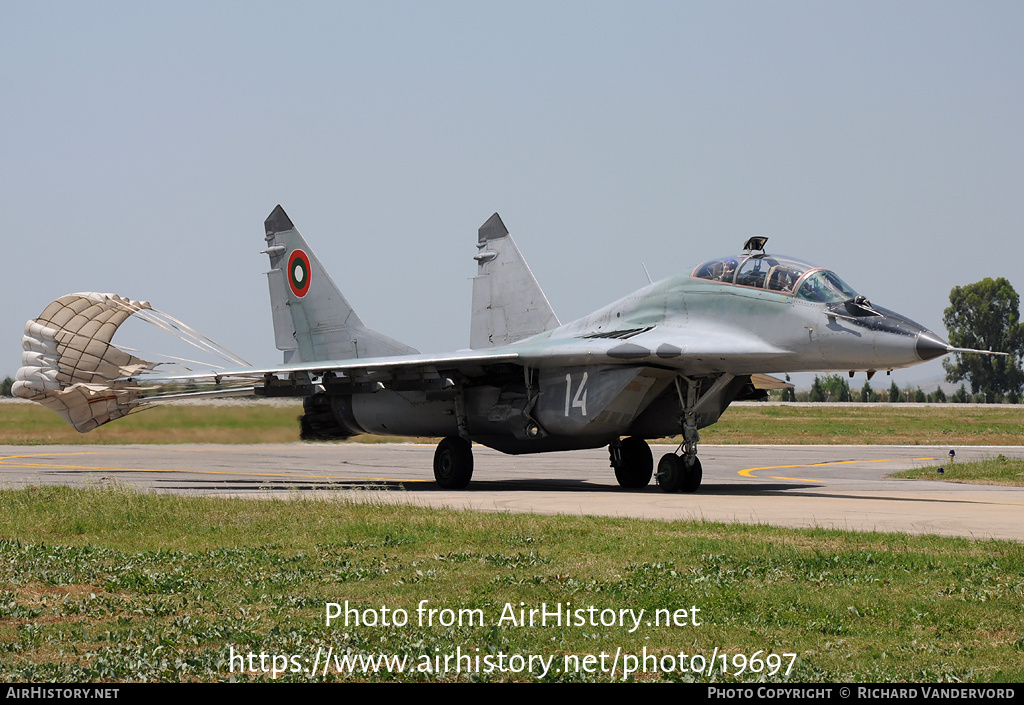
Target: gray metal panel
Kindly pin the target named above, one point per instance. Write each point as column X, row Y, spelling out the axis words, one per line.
column 284, row 330
column 508, row 303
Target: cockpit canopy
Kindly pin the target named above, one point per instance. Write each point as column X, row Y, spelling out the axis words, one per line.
column 779, row 273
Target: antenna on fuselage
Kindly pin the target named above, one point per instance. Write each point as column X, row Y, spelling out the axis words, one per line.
column 755, row 243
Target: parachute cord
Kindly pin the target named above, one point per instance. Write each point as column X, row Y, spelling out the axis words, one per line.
column 180, row 330
column 192, row 337
column 155, row 321
column 201, row 363
column 158, row 319
column 232, row 357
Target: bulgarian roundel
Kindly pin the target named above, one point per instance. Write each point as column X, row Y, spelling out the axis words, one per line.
column 298, row 273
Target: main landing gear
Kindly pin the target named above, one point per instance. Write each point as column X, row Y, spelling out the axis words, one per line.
column 632, row 461
column 453, row 459
column 453, row 463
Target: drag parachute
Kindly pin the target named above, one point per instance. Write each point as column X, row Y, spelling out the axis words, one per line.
column 70, row 365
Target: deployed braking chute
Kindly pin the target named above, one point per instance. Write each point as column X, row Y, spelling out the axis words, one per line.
column 69, row 363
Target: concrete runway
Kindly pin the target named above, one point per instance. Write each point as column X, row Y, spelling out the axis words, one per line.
column 797, row 486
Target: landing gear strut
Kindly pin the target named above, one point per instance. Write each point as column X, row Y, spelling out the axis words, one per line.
column 453, row 463
column 683, row 473
column 632, row 461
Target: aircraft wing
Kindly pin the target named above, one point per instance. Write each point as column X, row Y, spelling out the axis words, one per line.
column 681, row 350
column 353, row 375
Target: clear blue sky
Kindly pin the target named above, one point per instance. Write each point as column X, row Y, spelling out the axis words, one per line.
column 144, row 143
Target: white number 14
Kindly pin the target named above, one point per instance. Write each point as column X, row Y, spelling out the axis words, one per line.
column 580, row 400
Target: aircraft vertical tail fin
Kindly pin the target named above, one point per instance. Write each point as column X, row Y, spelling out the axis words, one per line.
column 312, row 319
column 508, row 303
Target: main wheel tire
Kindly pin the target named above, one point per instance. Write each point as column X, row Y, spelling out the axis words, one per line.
column 453, row 463
column 637, row 465
column 693, row 476
column 670, row 473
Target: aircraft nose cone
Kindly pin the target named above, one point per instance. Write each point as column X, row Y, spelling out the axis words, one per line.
column 930, row 346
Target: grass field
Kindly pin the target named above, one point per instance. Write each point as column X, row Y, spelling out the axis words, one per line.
column 998, row 470
column 32, row 424
column 899, row 424
column 113, row 585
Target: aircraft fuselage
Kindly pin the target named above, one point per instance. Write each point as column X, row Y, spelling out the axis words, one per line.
column 613, row 373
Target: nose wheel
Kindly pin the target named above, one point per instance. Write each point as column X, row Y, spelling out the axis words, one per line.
column 679, row 473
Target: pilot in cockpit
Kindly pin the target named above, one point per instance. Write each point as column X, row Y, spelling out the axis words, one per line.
column 728, row 270
column 782, row 278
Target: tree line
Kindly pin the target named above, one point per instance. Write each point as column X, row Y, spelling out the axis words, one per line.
column 836, row 388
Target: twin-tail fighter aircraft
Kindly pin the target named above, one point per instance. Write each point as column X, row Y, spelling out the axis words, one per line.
column 665, row 360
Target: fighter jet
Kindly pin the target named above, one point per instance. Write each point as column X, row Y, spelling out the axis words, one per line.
column 667, row 360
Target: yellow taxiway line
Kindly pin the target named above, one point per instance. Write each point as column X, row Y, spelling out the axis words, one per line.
column 746, row 473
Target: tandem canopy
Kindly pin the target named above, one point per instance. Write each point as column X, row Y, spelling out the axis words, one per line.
column 70, row 365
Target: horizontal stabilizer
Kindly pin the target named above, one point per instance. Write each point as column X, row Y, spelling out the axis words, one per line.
column 769, row 382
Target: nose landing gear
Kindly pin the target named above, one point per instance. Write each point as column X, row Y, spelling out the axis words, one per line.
column 679, row 473
column 683, row 473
